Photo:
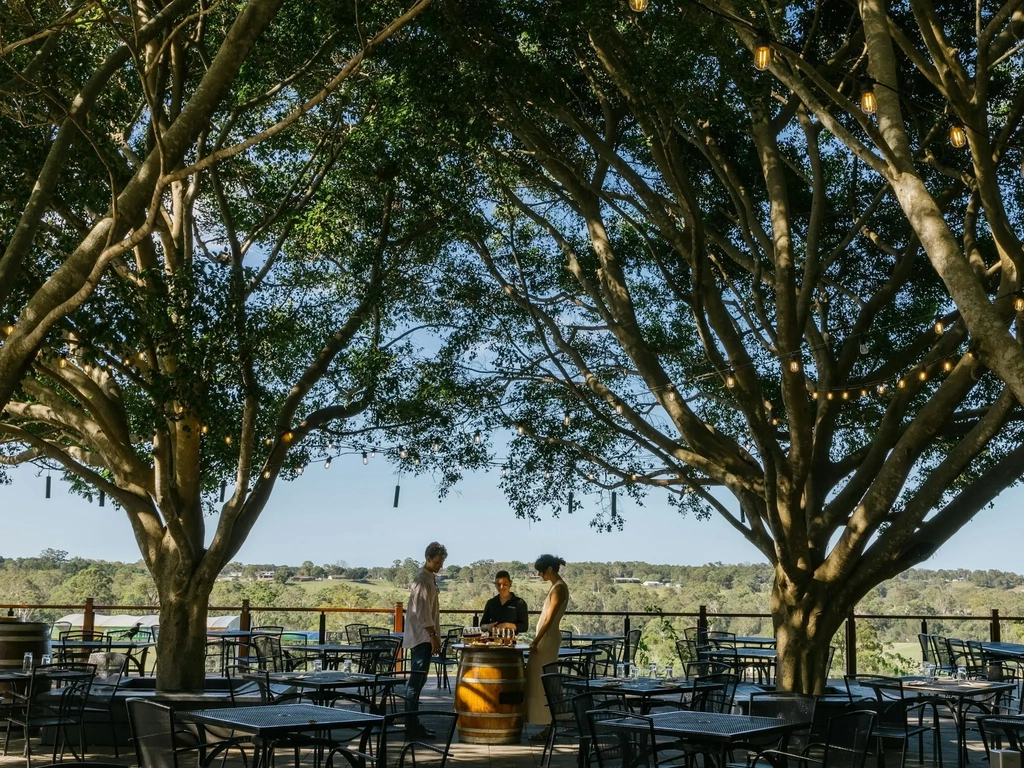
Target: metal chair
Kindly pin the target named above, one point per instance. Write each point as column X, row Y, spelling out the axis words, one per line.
column 846, row 745
column 159, row 741
column 613, row 749
column 36, row 709
column 566, row 641
column 366, row 633
column 632, row 645
column 111, row 669
column 268, row 629
column 609, row 653
column 715, row 692
column 895, row 712
column 583, row 704
column 448, row 657
column 563, row 714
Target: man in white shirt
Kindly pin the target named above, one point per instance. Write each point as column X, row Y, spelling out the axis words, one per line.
column 422, row 622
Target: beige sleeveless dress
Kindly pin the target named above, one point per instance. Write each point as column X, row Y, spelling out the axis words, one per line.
column 547, row 651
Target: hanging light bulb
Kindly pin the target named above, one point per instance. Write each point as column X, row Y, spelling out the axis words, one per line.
column 730, row 381
column 268, row 441
column 205, row 429
column 504, row 471
column 846, row 395
column 402, row 452
column 863, row 393
column 867, row 100
column 547, row 475
column 947, row 365
column 794, row 366
column 127, row 362
column 288, row 436
column 590, row 475
column 327, row 464
column 416, row 459
column 227, row 439
column 863, row 348
column 87, row 368
column 373, row 454
column 671, row 396
column 814, row 395
column 939, row 327
column 366, row 459
column 460, row 466
column 618, row 408
column 880, row 389
column 768, row 405
column 902, row 383
column 476, row 437
column 957, row 136
column 521, row 429
column 266, row 474
column 775, row 422
column 62, row 361
column 762, row 56
column 437, row 446
column 830, row 396
column 299, row 470
column 922, row 375
column 1018, row 304
column 566, row 420
column 638, row 5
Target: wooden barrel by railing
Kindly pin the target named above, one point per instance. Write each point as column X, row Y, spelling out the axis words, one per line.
column 490, row 695
column 20, row 637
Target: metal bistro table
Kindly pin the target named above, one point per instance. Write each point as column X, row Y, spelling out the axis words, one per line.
column 269, row 723
column 329, row 653
column 321, row 683
column 722, row 732
column 960, row 692
column 64, row 649
column 644, row 688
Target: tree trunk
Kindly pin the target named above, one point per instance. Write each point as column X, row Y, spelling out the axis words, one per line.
column 181, row 644
column 806, row 619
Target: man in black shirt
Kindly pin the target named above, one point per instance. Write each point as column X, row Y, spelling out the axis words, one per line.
column 505, row 610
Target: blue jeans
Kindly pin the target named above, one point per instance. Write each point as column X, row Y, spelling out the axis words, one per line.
column 420, row 665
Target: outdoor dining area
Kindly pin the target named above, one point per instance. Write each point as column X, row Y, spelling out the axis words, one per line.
column 279, row 697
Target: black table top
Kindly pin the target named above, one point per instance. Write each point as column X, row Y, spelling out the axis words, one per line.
column 743, row 652
column 325, row 679
column 1006, row 650
column 272, row 719
column 946, row 686
column 53, row 674
column 640, row 686
column 710, row 726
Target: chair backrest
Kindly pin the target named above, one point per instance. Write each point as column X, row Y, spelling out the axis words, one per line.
column 609, row 653
column 380, row 655
column 59, row 626
column 353, row 632
column 885, row 689
column 791, row 707
column 366, row 633
column 831, row 656
column 849, row 736
column 632, row 644
column 111, row 670
column 699, row 635
column 268, row 652
column 558, row 698
column 566, row 640
column 612, row 747
column 925, row 642
column 153, row 733
column 579, row 668
column 586, row 702
column 399, row 744
column 686, row 650
column 716, row 692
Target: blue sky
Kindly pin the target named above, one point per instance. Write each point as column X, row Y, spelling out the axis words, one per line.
column 345, row 513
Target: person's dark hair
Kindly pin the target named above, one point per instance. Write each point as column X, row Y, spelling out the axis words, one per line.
column 554, row 562
column 502, row 575
column 434, row 549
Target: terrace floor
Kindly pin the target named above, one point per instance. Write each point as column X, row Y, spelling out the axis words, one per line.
column 525, row 755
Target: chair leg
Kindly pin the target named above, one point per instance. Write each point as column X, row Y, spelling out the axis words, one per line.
column 549, row 745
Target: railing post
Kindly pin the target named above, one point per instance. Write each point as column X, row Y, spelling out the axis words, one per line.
column 924, row 626
column 994, row 633
column 851, row 645
column 88, row 619
column 702, row 625
column 625, row 636
column 323, row 627
column 400, row 618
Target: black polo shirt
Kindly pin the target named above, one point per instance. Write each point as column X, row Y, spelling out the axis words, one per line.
column 512, row 612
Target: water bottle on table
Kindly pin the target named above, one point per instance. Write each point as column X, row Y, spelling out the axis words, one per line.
column 620, row 670
column 318, row 665
column 26, row 662
column 652, row 670
column 347, row 666
column 634, row 671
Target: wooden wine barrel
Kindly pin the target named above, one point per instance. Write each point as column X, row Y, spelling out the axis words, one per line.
column 20, row 637
column 490, row 694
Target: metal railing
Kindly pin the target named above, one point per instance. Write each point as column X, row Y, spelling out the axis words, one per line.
column 702, row 616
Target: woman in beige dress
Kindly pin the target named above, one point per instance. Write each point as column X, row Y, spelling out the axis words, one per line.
column 548, row 638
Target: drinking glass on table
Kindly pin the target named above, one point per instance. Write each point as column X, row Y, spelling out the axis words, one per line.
column 668, row 671
column 620, row 670
column 652, row 670
column 347, row 666
column 318, row 665
column 634, row 671
column 26, row 662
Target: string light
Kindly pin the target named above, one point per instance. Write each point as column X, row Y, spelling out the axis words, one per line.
column 266, row 475
column 957, row 136
column 880, row 389
column 730, row 381
column 62, row 361
column 366, row 459
column 521, row 429
column 762, row 56
column 863, row 348
column 547, row 475
column 618, row 408
column 327, row 464
column 127, row 362
column 1018, row 304
column 671, row 396
column 402, row 453
column 814, row 395
column 8, row 329
column 846, row 395
column 939, row 327
column 268, row 441
column 299, row 470
column 794, row 366
column 288, row 436
column 867, row 101
column 205, row 429
column 437, row 446
column 476, row 437
column 922, row 375
column 227, row 439
column 504, row 471
column 947, row 365
column 830, row 395
column 373, row 454
column 566, row 420
column 902, row 383
column 638, row 5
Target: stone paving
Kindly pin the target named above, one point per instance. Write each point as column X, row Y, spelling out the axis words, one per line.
column 525, row 755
